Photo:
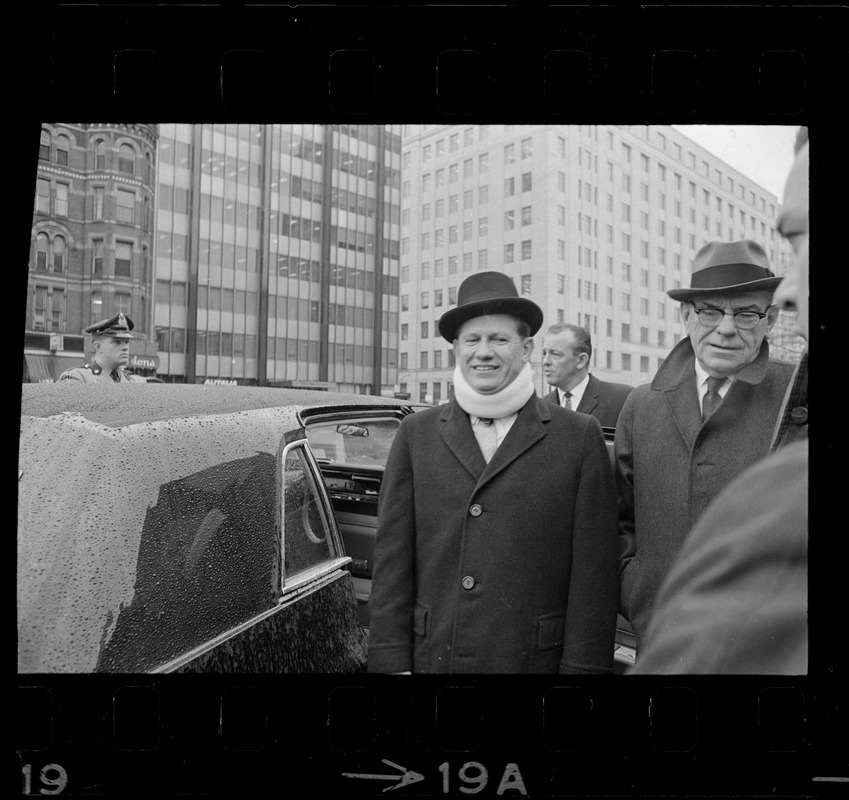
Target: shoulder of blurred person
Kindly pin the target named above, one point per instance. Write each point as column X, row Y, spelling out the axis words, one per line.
column 735, row 601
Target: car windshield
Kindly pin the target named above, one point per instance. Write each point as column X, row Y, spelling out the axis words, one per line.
column 362, row 442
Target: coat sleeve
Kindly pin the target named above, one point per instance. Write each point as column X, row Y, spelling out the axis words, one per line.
column 623, row 457
column 393, row 579
column 594, row 579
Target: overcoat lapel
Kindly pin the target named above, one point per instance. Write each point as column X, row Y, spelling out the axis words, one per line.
column 683, row 402
column 526, row 431
column 456, row 431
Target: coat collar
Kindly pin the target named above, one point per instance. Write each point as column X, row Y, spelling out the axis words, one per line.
column 527, row 430
column 679, row 366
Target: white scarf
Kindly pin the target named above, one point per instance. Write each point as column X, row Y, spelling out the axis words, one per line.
column 499, row 404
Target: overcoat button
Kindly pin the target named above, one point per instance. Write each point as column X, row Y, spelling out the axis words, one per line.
column 468, row 582
column 799, row 415
column 476, row 510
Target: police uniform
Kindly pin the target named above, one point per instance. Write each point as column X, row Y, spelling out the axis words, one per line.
column 117, row 327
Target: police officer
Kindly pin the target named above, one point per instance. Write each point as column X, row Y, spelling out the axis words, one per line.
column 110, row 340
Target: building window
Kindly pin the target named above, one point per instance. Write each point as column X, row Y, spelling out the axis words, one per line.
column 148, row 168
column 526, row 284
column 453, row 204
column 100, row 154
column 452, row 265
column 527, row 148
column 405, row 331
column 468, row 168
column 440, row 148
column 483, row 162
column 424, row 330
column 98, row 202
column 63, row 149
column 561, row 284
column 61, row 207
column 509, row 154
column 644, row 363
column 42, row 196
column 126, row 159
column 526, row 250
column 453, row 173
column 123, row 259
column 508, row 253
column 526, row 215
column 509, row 187
column 483, row 226
column 626, row 361
column 454, row 143
column 59, row 254
column 423, row 359
column 483, row 195
column 483, row 258
column 126, row 206
column 404, row 357
column 97, row 257
column 42, row 245
column 509, row 220
column 44, row 146
column 526, row 182
column 425, row 299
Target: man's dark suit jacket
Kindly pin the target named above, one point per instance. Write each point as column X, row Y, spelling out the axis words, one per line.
column 602, row 399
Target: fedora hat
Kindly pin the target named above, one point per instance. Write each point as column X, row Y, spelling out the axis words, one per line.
column 729, row 267
column 488, row 293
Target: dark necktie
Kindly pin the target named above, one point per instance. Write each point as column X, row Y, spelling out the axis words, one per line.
column 115, row 376
column 487, row 437
column 711, row 398
column 567, row 400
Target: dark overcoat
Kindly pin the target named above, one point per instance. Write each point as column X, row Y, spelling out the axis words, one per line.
column 670, row 465
column 736, row 600
column 506, row 567
column 602, row 399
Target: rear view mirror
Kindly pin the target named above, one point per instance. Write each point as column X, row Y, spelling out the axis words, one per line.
column 352, row 430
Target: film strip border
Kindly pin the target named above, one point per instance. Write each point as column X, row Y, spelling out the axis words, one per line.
column 338, row 736
column 401, row 63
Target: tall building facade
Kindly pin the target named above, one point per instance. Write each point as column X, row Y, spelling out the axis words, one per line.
column 594, row 223
column 92, row 242
column 277, row 255
column 251, row 254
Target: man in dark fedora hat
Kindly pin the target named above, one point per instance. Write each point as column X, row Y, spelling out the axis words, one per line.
column 736, row 599
column 496, row 544
column 707, row 415
column 110, row 342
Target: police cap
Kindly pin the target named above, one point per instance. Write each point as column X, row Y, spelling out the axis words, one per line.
column 118, row 327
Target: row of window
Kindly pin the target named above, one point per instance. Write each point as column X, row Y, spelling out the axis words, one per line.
column 51, row 252
column 49, row 311
column 52, row 199
column 57, row 149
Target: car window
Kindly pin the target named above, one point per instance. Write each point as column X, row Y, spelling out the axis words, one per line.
column 364, row 442
column 307, row 537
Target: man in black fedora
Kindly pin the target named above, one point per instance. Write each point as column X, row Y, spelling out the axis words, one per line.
column 110, row 343
column 708, row 414
column 496, row 544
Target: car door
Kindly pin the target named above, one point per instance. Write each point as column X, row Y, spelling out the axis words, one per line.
column 313, row 625
column 351, row 448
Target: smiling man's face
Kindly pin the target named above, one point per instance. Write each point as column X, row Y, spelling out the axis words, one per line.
column 491, row 352
column 724, row 349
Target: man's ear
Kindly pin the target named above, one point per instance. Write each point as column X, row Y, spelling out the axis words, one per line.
column 685, row 309
column 529, row 348
column 771, row 317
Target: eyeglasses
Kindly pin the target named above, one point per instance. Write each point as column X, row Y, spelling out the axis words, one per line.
column 744, row 320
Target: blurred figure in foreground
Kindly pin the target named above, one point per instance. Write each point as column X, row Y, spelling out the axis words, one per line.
column 735, row 601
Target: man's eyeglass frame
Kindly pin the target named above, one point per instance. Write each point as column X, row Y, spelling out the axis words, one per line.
column 750, row 319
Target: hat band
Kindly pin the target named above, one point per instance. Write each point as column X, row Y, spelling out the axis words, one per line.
column 724, row 275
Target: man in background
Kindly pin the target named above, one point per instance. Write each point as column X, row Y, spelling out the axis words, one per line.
column 110, row 341
column 566, row 353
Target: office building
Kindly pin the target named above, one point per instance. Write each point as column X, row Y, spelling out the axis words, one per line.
column 594, row 223
column 275, row 255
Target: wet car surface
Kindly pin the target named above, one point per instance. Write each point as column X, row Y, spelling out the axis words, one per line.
column 183, row 528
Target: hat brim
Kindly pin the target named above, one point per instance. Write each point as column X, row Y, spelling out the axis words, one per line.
column 526, row 310
column 113, row 334
column 761, row 285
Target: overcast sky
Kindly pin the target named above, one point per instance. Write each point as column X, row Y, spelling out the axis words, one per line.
column 763, row 153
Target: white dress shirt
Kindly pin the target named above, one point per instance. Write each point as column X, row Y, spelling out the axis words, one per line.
column 701, row 384
column 502, row 425
column 577, row 393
